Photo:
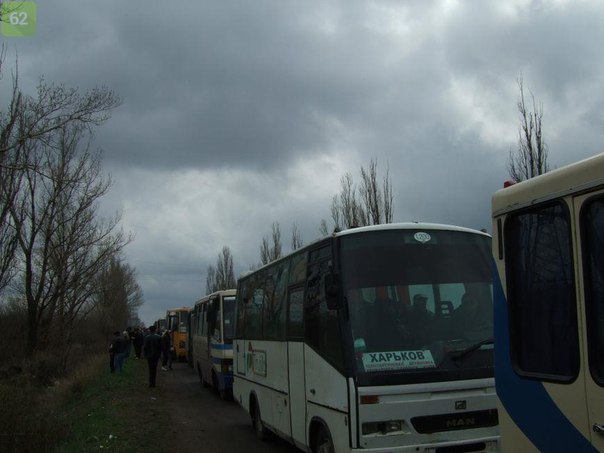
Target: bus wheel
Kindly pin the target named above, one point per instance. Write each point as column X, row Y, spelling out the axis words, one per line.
column 259, row 429
column 324, row 443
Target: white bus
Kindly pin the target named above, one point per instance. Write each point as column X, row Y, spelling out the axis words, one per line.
column 549, row 312
column 212, row 339
column 360, row 342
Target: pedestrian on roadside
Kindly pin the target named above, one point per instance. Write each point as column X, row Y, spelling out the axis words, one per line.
column 128, row 343
column 152, row 349
column 137, row 342
column 167, row 349
column 112, row 351
column 118, row 346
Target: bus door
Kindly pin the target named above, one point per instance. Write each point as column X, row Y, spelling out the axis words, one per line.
column 589, row 210
column 295, row 357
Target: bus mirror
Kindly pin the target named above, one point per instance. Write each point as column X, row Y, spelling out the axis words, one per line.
column 333, row 291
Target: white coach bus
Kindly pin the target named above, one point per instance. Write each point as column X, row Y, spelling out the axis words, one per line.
column 549, row 311
column 375, row 339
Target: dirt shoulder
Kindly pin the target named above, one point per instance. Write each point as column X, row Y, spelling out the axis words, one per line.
column 201, row 421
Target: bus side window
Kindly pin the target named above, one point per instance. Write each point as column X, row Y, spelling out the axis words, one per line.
column 541, row 286
column 295, row 324
column 202, row 320
column 274, row 303
column 592, row 226
column 322, row 327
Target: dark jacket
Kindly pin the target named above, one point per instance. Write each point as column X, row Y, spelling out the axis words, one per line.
column 166, row 342
column 152, row 346
column 118, row 345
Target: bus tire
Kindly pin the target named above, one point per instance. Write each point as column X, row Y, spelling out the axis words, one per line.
column 259, row 429
column 323, row 443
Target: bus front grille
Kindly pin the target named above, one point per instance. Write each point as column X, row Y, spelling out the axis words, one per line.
column 453, row 422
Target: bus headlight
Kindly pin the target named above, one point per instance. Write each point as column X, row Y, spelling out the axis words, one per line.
column 388, row 427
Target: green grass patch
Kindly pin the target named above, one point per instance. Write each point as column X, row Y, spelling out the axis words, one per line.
column 87, row 410
column 116, row 412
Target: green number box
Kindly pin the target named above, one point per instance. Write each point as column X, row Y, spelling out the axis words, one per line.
column 18, row 18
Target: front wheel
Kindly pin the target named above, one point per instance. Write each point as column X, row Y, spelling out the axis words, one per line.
column 259, row 429
column 324, row 443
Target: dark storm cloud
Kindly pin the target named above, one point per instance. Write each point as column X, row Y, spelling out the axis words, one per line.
column 236, row 114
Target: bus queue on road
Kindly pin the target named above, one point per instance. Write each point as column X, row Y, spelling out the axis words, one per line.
column 424, row 337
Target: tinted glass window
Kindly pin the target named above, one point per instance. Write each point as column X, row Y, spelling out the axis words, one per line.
column 297, row 273
column 228, row 310
column 274, row 304
column 296, row 313
column 416, row 299
column 592, row 219
column 322, row 330
column 541, row 296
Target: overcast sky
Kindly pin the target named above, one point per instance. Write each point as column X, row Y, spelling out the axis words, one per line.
column 238, row 114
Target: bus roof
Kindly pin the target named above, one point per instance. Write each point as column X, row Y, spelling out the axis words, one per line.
column 572, row 178
column 408, row 226
column 380, row 227
column 179, row 309
column 224, row 292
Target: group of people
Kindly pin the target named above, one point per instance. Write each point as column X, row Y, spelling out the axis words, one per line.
column 148, row 344
column 120, row 346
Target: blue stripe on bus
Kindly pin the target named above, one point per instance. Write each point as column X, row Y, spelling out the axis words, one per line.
column 224, row 347
column 527, row 402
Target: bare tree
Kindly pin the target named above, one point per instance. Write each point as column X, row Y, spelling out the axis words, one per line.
column 52, row 199
column 367, row 204
column 323, row 228
column 225, row 275
column 118, row 296
column 530, row 158
column 37, row 119
column 296, row 237
column 211, row 279
column 271, row 248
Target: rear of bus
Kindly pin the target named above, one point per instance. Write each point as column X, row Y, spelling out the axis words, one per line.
column 178, row 324
column 418, row 329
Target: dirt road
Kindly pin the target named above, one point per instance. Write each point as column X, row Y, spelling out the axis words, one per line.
column 201, row 422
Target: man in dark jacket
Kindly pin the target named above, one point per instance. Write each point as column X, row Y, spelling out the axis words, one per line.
column 152, row 348
column 166, row 361
column 118, row 349
column 137, row 342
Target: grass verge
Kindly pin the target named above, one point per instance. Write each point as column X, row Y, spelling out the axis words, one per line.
column 115, row 412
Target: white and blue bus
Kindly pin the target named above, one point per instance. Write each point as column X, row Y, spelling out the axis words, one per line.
column 212, row 340
column 374, row 339
column 549, row 310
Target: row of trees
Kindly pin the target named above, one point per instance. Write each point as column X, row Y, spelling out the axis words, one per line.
column 371, row 201
column 59, row 260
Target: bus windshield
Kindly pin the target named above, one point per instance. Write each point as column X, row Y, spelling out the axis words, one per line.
column 228, row 308
column 420, row 305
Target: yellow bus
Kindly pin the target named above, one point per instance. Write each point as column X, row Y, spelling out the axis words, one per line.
column 548, row 245
column 177, row 321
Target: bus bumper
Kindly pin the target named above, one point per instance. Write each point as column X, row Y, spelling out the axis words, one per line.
column 486, row 445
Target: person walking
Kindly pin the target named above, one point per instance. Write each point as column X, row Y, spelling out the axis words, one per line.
column 152, row 348
column 166, row 351
column 112, row 351
column 118, row 347
column 137, row 342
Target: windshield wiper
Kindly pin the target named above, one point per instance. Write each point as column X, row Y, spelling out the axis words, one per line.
column 470, row 349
